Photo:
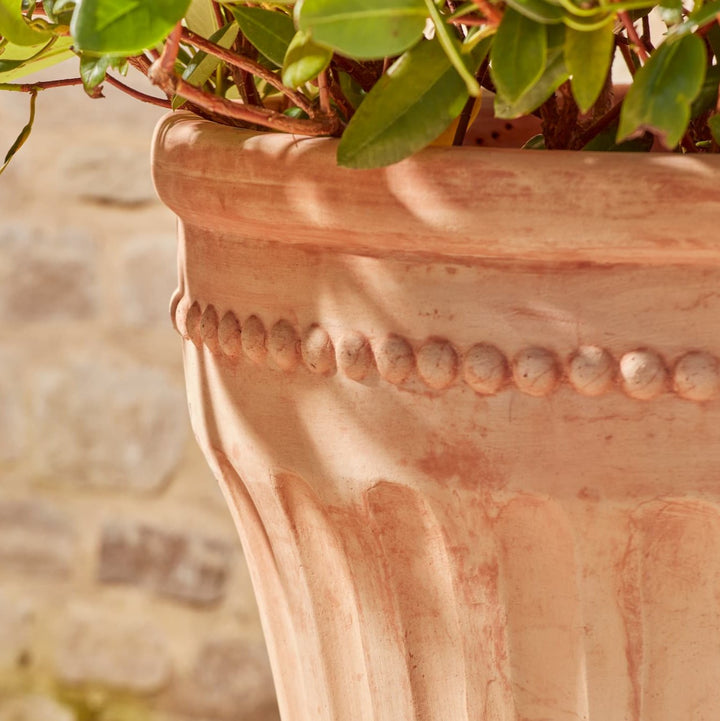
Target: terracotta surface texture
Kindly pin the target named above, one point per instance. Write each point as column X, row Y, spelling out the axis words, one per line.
column 466, row 413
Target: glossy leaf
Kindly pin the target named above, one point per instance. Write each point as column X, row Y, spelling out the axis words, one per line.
column 408, row 108
column 713, row 38
column 706, row 99
column 14, row 27
column 200, row 18
column 714, row 125
column 697, row 18
column 588, row 56
column 93, row 68
column 364, row 29
column 21, row 61
column 62, row 11
column 448, row 40
column 554, row 75
column 203, row 65
column 606, row 141
column 517, row 58
column 124, row 27
column 304, row 60
column 538, row 10
column 663, row 89
column 269, row 31
column 7, row 65
column 23, row 136
column 351, row 89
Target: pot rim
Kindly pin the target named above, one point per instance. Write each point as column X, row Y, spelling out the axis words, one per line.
column 534, row 206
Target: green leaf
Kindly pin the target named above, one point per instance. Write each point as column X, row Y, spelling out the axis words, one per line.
column 16, row 62
column 304, row 60
column 7, row 65
column 537, row 142
column 663, row 89
column 452, row 49
column 93, row 68
column 518, row 55
column 363, row 29
column 15, row 28
column 351, row 89
column 714, row 125
column 588, row 56
column 203, row 65
column 24, row 134
column 554, row 75
column 269, row 31
column 419, row 96
column 538, row 10
column 606, row 141
column 200, row 18
column 671, row 11
column 124, row 27
column 707, row 97
column 713, row 38
column 702, row 16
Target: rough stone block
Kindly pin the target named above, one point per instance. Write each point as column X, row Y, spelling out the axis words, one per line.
column 184, row 566
column 17, row 620
column 113, row 651
column 47, row 276
column 34, row 708
column 85, row 170
column 35, row 538
column 148, row 276
column 13, row 412
column 104, row 424
column 231, row 680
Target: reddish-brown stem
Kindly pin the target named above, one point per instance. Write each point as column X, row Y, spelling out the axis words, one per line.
column 218, row 14
column 141, row 63
column 170, row 50
column 45, row 84
column 161, row 102
column 634, row 38
column 627, row 57
column 250, row 66
column 493, row 15
column 340, row 100
column 601, row 124
column 172, row 84
column 323, row 93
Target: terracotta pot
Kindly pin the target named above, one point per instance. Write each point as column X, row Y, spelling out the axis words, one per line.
column 464, row 411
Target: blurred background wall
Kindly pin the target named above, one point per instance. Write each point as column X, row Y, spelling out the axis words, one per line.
column 123, row 590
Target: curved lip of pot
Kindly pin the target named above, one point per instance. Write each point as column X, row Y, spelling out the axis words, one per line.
column 454, row 202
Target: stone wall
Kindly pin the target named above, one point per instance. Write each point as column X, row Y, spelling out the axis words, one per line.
column 123, row 591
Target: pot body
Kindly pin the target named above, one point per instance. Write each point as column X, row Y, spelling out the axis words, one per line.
column 473, row 453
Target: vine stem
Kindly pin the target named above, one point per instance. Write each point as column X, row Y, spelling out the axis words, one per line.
column 41, row 85
column 627, row 57
column 251, row 66
column 601, row 124
column 323, row 93
column 491, row 13
column 144, row 97
column 169, row 54
column 171, row 84
column 633, row 35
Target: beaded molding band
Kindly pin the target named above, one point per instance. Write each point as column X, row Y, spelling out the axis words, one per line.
column 590, row 370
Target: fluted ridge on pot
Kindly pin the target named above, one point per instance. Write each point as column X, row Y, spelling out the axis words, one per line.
column 438, row 363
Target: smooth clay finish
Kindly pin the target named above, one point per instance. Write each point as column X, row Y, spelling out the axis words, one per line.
column 466, row 413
